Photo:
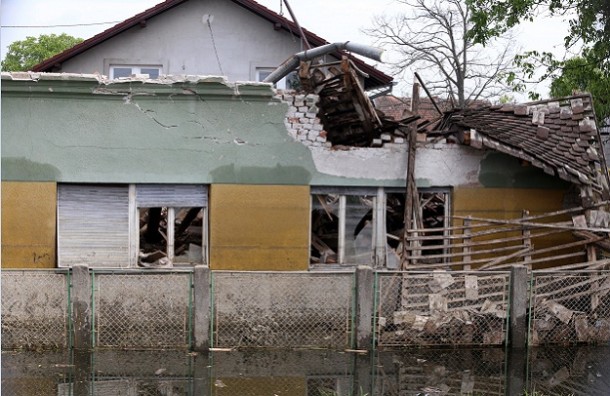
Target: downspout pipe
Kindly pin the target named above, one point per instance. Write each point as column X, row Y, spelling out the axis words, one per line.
column 292, row 63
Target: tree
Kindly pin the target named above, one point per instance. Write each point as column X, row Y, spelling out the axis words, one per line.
column 578, row 74
column 434, row 37
column 24, row 54
column 589, row 23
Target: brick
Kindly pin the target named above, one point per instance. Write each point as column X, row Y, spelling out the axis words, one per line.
column 303, row 109
column 317, row 127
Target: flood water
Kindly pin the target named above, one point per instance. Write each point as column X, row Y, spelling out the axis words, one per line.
column 490, row 371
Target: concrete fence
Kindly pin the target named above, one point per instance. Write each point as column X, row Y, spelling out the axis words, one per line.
column 361, row 309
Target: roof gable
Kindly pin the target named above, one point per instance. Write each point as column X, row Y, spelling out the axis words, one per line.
column 376, row 77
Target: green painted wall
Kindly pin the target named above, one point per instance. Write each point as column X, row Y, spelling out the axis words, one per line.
column 192, row 132
column 500, row 170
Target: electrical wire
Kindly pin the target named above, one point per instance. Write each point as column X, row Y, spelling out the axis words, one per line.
column 215, row 49
column 56, row 26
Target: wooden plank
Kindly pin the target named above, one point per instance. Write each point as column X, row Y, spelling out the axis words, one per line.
column 559, row 225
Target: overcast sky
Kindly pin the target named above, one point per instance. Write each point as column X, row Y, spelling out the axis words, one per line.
column 333, row 20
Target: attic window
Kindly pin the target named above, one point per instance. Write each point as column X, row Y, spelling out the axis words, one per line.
column 291, row 81
column 123, row 71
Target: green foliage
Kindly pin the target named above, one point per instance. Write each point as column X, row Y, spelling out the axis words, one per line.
column 579, row 75
column 24, row 54
column 589, row 23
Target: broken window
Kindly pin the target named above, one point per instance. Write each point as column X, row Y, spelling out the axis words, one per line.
column 121, row 226
column 366, row 226
column 171, row 224
column 432, row 215
column 340, row 227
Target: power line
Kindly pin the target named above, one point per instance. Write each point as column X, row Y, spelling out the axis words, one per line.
column 58, row 26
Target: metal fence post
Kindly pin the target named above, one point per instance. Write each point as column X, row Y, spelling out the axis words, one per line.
column 364, row 307
column 518, row 306
column 201, row 308
column 81, row 307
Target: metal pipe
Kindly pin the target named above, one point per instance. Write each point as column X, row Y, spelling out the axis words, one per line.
column 294, row 19
column 293, row 62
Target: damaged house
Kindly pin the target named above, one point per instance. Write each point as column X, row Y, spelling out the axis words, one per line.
column 153, row 166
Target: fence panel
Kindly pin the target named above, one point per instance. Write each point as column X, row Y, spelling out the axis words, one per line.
column 570, row 307
column 283, row 309
column 146, row 310
column 441, row 308
column 35, row 309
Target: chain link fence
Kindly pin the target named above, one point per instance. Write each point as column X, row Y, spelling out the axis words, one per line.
column 440, row 372
column 35, row 309
column 441, row 308
column 568, row 308
column 266, row 309
column 146, row 310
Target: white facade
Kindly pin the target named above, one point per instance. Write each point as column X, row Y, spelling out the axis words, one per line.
column 199, row 37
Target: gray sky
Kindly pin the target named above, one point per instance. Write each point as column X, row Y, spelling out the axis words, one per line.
column 333, row 20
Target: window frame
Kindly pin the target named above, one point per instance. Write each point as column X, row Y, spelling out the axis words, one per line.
column 281, row 84
column 129, row 213
column 379, row 248
column 135, row 69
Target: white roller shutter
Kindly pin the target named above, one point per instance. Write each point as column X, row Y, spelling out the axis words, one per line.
column 171, row 195
column 93, row 225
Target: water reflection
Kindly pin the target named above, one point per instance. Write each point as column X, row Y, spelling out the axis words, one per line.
column 490, row 371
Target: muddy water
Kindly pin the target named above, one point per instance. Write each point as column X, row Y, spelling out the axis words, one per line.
column 556, row 371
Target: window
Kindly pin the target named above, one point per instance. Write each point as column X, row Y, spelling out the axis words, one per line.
column 122, row 71
column 171, row 223
column 354, row 226
column 291, row 81
column 339, row 231
column 119, row 226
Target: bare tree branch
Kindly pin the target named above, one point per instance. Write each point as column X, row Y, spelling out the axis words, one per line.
column 432, row 37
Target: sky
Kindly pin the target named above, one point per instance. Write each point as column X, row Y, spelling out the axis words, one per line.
column 333, row 20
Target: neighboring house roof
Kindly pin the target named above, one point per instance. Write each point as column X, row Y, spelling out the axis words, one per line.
column 376, row 77
column 557, row 135
column 400, row 108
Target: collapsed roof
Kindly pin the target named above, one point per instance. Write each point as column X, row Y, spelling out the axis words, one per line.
column 559, row 136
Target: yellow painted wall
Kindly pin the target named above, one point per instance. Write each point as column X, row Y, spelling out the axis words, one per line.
column 505, row 203
column 500, row 203
column 28, row 224
column 259, row 227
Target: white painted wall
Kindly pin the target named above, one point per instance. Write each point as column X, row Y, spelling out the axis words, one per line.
column 182, row 42
column 436, row 165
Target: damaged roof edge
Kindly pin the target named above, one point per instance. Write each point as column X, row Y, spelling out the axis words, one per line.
column 100, row 84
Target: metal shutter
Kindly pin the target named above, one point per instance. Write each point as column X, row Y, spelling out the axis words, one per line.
column 171, row 195
column 93, row 225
